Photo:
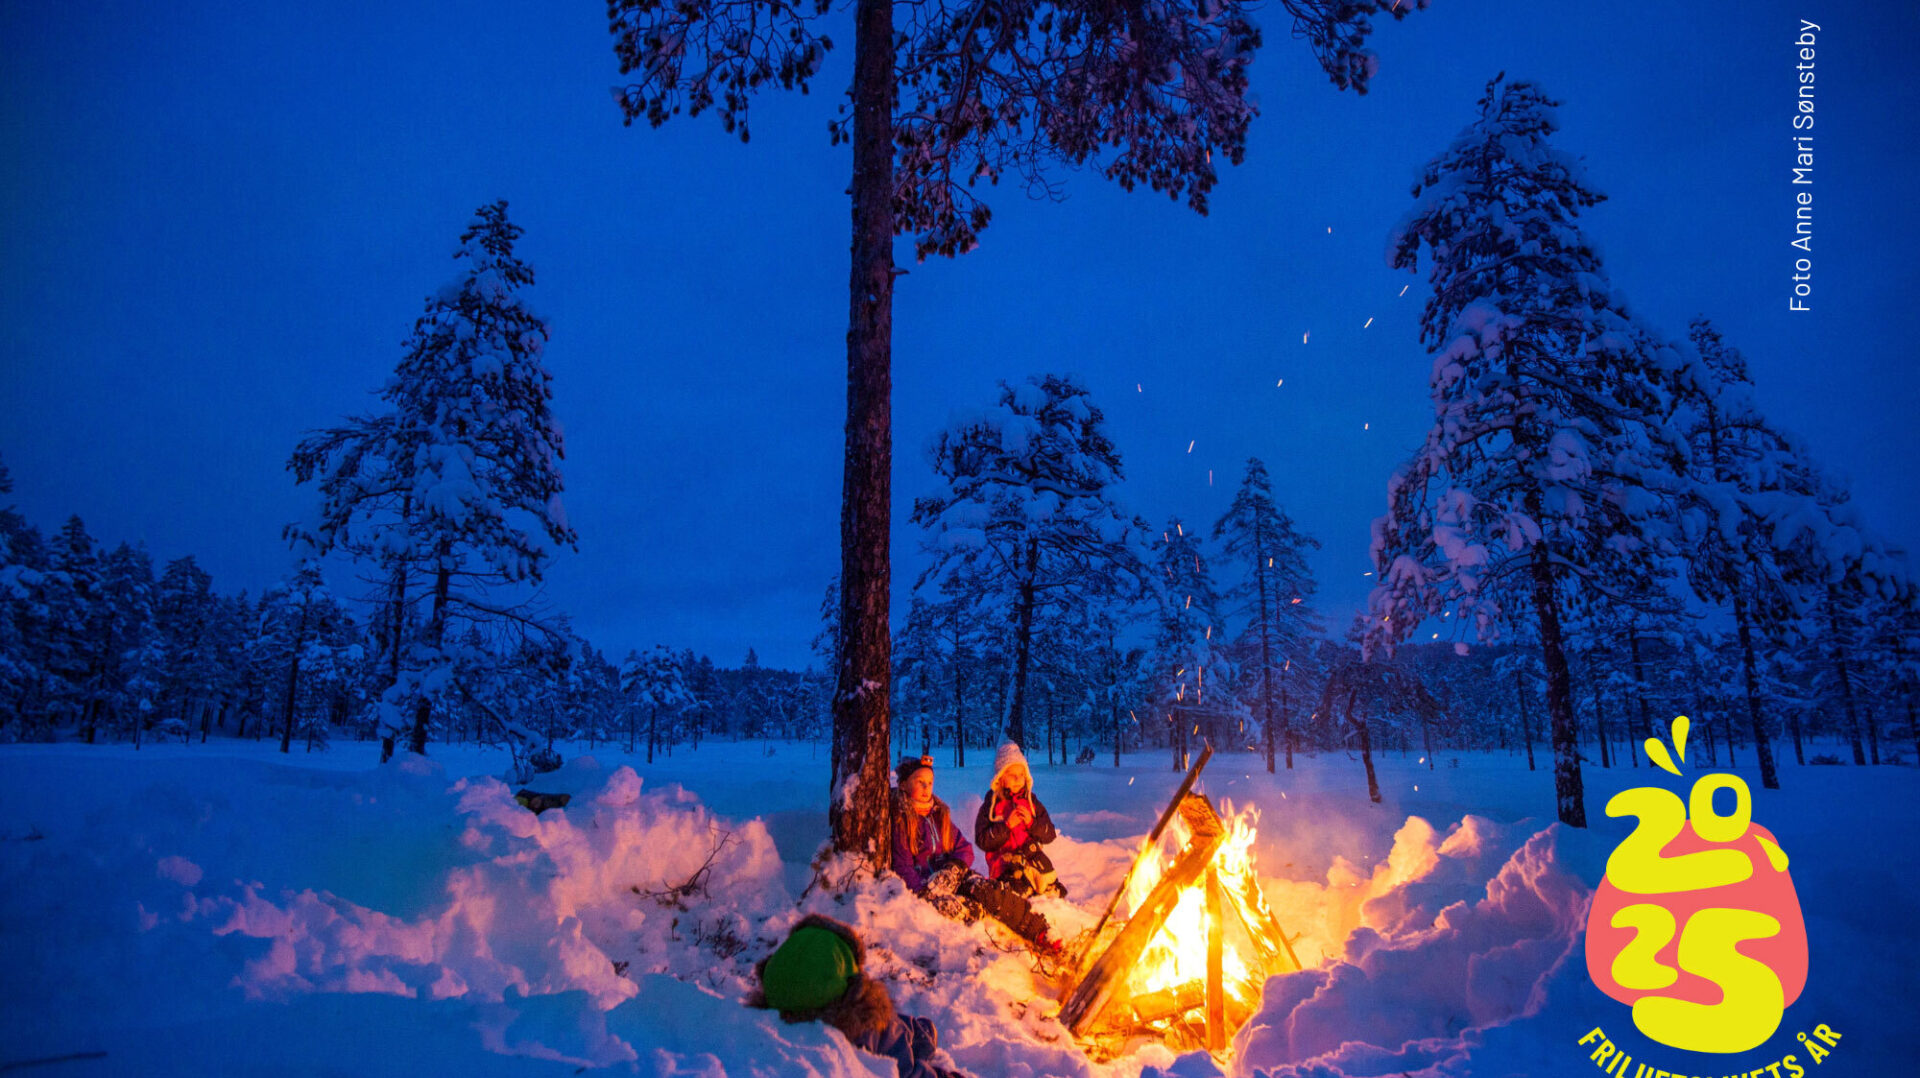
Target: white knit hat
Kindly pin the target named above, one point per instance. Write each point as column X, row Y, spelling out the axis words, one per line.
column 1007, row 756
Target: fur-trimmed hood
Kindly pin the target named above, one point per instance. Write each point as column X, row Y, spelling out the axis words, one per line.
column 864, row 1009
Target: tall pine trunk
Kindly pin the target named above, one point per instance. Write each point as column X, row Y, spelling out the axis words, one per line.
column 436, row 639
column 1569, row 793
column 293, row 681
column 1266, row 660
column 1846, row 681
column 1022, row 648
column 1526, row 719
column 859, row 800
column 1286, row 723
column 1769, row 778
column 959, row 715
column 1366, row 747
column 399, row 624
column 1600, row 719
column 1640, row 694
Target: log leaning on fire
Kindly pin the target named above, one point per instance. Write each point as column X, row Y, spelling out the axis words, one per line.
column 1109, row 974
column 1166, row 817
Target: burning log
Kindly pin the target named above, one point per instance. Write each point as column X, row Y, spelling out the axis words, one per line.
column 1151, row 1007
column 1216, row 962
column 1153, row 836
column 1109, row 973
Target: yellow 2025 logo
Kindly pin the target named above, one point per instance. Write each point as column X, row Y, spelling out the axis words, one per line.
column 1697, row 926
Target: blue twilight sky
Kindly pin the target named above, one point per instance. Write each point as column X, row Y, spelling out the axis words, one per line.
column 218, row 221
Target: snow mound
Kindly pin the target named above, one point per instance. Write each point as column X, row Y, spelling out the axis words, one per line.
column 1420, row 974
column 232, row 914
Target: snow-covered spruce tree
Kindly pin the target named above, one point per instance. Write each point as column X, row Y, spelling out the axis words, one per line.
column 1275, row 595
column 127, row 597
column 298, row 621
column 460, row 479
column 1065, row 642
column 188, row 617
column 1028, row 513
column 1190, row 669
column 1541, row 481
column 971, row 640
column 1745, row 488
column 955, row 94
column 916, row 674
column 652, row 681
column 17, row 671
column 72, row 598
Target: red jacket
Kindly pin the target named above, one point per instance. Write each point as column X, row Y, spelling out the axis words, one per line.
column 995, row 836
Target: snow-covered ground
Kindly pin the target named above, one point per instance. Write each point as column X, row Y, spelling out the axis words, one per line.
column 223, row 909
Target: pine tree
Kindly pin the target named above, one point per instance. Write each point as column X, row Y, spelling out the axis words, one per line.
column 652, row 681
column 1751, row 496
column 1028, row 511
column 185, row 612
column 1543, row 480
column 126, row 628
column 961, row 93
column 460, row 478
column 1191, row 674
column 1275, row 595
column 71, row 595
column 298, row 620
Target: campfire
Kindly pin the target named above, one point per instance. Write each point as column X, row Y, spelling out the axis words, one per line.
column 1188, row 961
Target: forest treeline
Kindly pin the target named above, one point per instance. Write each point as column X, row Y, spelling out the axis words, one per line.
column 1601, row 530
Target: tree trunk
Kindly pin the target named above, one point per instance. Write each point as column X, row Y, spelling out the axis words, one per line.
column 1022, row 649
column 1266, row 660
column 1568, row 789
column 293, row 681
column 1726, row 727
column 1526, row 720
column 859, row 798
column 653, row 730
column 1769, row 778
column 959, row 715
column 436, row 639
column 1366, row 747
column 1600, row 724
column 1286, row 724
column 1793, row 724
column 399, row 623
column 1913, row 728
column 1050, row 730
column 1846, row 685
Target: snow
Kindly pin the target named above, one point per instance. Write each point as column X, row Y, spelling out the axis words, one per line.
column 216, row 909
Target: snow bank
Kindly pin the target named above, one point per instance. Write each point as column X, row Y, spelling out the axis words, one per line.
column 253, row 915
column 1418, row 971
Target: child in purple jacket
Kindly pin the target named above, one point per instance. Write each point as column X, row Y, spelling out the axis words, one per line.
column 936, row 861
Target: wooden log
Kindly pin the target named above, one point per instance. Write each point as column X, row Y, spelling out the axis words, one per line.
column 1153, row 836
column 1257, row 906
column 1261, row 931
column 1168, row 1003
column 1109, row 973
column 1216, row 961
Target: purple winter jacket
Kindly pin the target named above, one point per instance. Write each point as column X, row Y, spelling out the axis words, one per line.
column 940, row 843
